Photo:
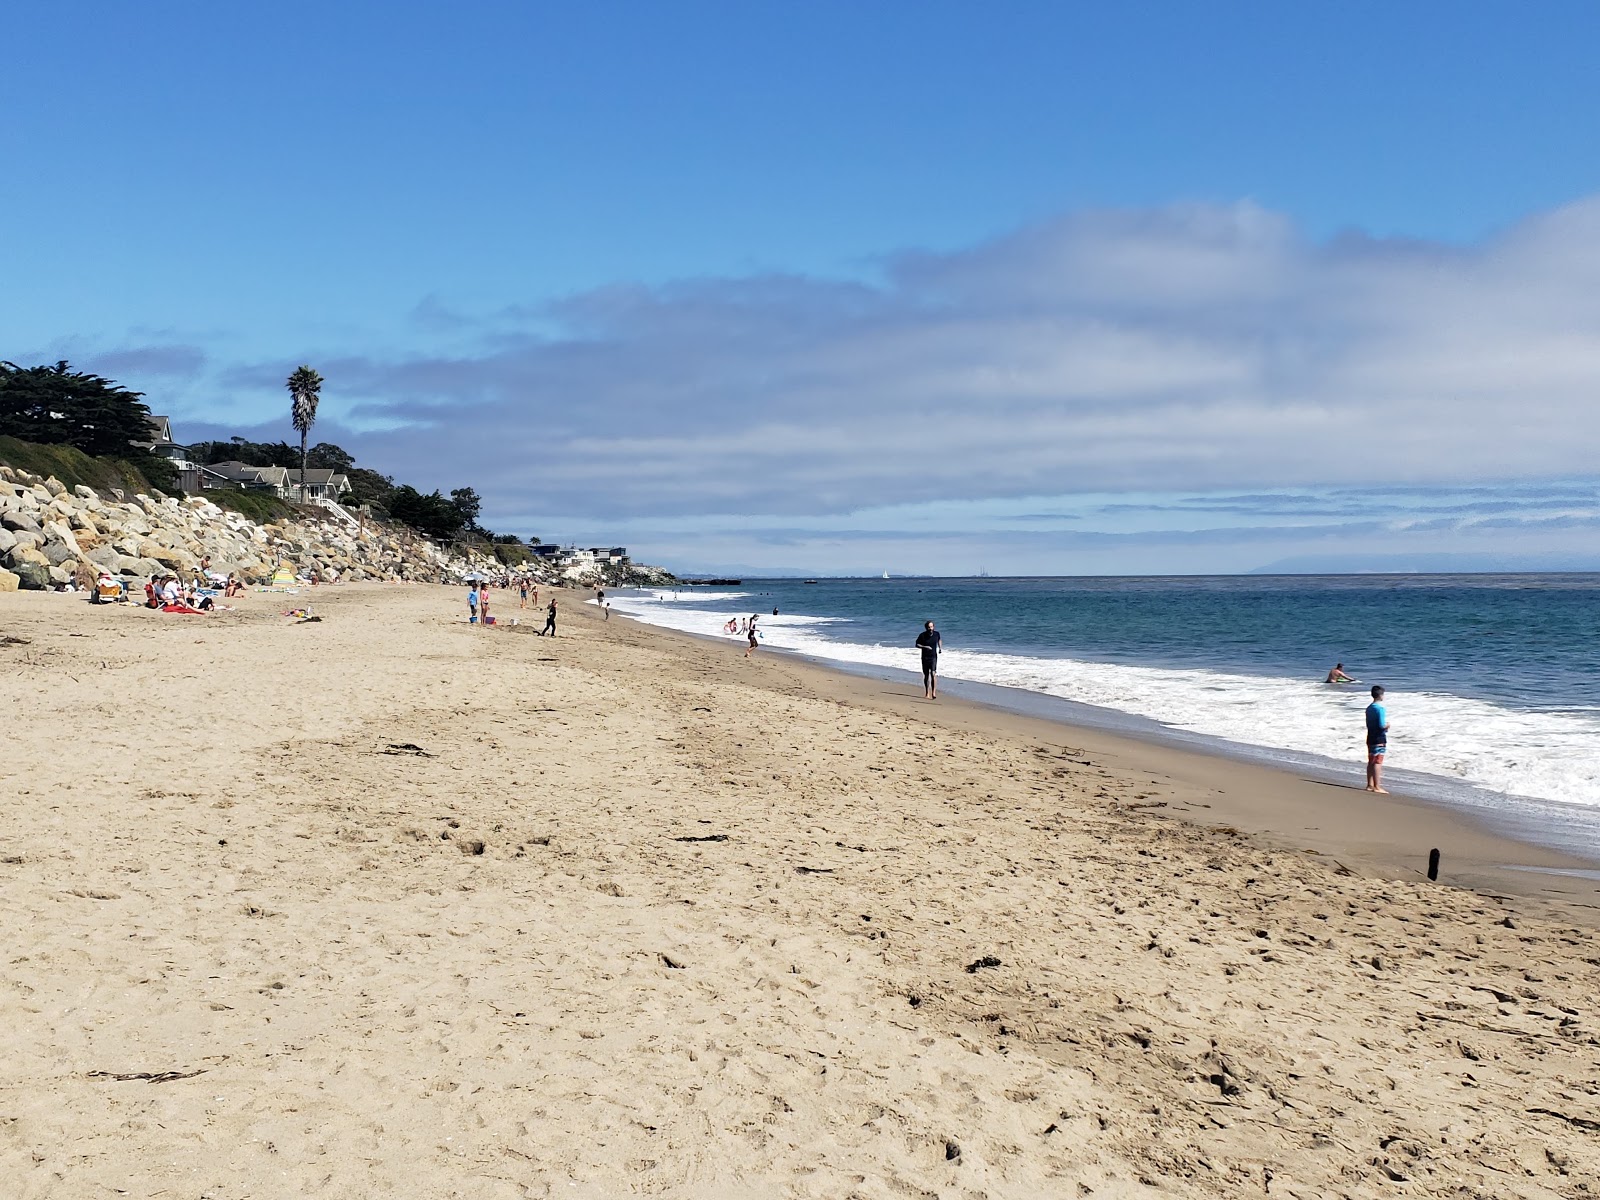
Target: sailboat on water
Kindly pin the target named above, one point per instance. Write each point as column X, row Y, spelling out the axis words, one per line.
column 886, row 574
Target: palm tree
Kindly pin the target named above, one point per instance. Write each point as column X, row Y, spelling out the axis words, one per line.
column 305, row 388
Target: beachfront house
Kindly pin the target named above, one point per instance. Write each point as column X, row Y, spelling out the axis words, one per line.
column 244, row 477
column 319, row 484
column 161, row 445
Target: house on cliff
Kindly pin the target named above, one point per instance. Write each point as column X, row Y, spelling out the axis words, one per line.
column 243, row 476
column 161, row 445
column 284, row 482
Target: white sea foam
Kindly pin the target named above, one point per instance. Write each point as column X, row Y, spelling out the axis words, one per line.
column 686, row 596
column 1544, row 755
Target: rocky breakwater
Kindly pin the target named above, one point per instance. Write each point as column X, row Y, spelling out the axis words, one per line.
column 51, row 536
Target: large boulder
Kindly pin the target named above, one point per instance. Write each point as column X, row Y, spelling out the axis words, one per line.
column 55, row 487
column 60, row 545
column 57, row 552
column 32, row 576
column 7, row 540
column 10, row 581
column 16, row 519
column 60, row 531
column 21, row 553
column 106, row 556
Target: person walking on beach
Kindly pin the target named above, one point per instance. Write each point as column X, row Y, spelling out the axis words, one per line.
column 1337, row 675
column 523, row 588
column 1377, row 740
column 750, row 631
column 930, row 643
column 549, row 619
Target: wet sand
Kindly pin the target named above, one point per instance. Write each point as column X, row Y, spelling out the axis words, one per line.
column 413, row 908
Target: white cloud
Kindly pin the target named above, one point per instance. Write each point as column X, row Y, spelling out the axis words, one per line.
column 1185, row 348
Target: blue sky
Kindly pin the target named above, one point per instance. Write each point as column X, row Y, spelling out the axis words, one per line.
column 935, row 287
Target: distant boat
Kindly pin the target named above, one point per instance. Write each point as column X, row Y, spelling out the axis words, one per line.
column 811, row 581
column 886, row 574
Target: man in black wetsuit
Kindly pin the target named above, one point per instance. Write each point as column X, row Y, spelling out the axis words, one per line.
column 549, row 619
column 930, row 643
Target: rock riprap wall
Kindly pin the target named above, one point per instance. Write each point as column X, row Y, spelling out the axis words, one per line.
column 51, row 536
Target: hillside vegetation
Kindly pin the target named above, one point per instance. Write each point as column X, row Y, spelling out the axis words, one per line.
column 72, row 466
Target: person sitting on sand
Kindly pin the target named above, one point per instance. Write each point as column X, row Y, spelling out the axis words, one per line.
column 169, row 591
column 1377, row 740
column 233, row 587
column 1337, row 675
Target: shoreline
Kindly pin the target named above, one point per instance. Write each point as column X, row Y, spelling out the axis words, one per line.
column 1388, row 836
column 1487, row 734
column 391, row 905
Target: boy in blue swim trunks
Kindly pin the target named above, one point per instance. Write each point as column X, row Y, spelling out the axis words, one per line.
column 1377, row 741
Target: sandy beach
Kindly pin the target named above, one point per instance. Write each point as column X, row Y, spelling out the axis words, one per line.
column 388, row 905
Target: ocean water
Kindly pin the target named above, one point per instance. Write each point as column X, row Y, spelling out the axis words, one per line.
column 1494, row 680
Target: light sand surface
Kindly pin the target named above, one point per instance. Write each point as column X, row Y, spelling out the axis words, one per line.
column 210, row 862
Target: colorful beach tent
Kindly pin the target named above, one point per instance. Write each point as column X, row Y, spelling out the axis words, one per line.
column 283, row 577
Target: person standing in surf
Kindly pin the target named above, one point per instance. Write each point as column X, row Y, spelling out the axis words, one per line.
column 1337, row 675
column 930, row 643
column 1377, row 740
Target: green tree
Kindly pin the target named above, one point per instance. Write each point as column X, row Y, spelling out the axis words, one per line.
column 305, row 389
column 56, row 405
column 469, row 504
column 432, row 514
column 369, row 487
column 328, row 457
column 252, row 454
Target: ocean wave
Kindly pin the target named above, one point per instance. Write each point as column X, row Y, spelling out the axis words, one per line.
column 1542, row 755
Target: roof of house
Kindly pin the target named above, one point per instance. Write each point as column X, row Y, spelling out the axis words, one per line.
column 233, row 469
column 244, row 473
column 318, row 477
column 159, row 430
